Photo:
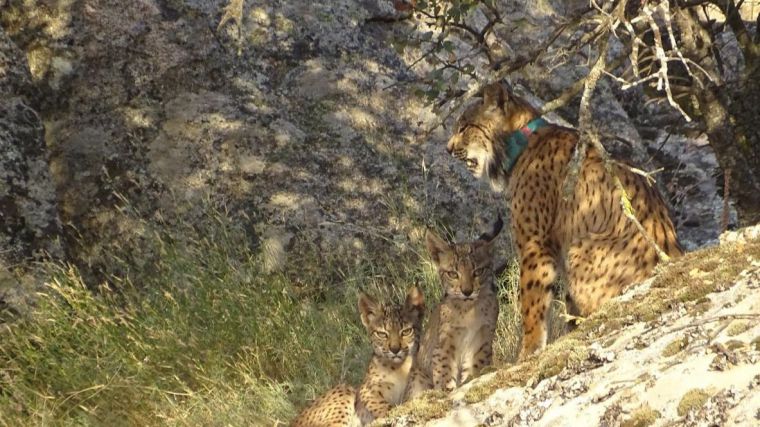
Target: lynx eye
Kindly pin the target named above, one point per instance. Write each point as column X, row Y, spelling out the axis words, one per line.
column 453, row 275
column 479, row 272
column 406, row 332
column 381, row 334
column 471, row 163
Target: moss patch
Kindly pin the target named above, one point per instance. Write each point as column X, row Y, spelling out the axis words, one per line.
column 501, row 379
column 693, row 400
column 563, row 354
column 737, row 327
column 642, row 417
column 675, row 347
column 430, row 405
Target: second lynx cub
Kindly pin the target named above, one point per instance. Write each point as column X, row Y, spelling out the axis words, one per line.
column 394, row 333
column 457, row 343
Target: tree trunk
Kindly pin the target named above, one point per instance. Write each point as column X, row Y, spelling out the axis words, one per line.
column 731, row 114
column 733, row 128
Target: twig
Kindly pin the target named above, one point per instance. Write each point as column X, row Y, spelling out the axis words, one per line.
column 585, row 123
column 647, row 175
column 501, row 71
column 388, row 19
column 574, row 89
column 589, row 135
column 702, row 322
column 726, row 205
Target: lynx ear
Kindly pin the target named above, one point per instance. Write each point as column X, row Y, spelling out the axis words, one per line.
column 494, row 95
column 415, row 301
column 367, row 309
column 435, row 246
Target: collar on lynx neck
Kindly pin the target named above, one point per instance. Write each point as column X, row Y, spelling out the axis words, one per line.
column 518, row 140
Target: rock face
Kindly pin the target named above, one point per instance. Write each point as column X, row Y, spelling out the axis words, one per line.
column 29, row 225
column 294, row 126
column 293, row 115
column 693, row 361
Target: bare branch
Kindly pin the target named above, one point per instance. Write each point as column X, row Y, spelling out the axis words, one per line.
column 501, row 71
column 750, row 50
column 647, row 175
column 662, row 74
column 585, row 123
column 589, row 135
column 575, row 88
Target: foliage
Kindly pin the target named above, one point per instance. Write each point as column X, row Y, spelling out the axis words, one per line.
column 199, row 332
column 191, row 331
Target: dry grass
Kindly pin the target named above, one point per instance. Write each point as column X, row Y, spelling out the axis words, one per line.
column 191, row 329
column 194, row 334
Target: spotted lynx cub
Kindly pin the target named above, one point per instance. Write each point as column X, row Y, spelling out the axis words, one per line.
column 504, row 141
column 394, row 332
column 457, row 343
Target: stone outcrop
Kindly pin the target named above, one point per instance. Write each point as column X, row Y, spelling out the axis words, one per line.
column 29, row 225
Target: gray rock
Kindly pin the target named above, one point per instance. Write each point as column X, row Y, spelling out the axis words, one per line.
column 29, row 224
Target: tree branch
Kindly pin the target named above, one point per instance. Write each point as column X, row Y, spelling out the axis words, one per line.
column 501, row 70
column 589, row 135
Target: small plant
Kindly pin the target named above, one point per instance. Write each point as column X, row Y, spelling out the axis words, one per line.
column 693, row 400
column 737, row 328
column 642, row 417
column 675, row 347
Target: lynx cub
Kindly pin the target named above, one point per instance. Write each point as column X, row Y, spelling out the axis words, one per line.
column 394, row 332
column 458, row 340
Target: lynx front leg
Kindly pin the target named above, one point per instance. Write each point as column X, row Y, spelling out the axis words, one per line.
column 372, row 403
column 419, row 381
column 537, row 273
column 444, row 365
column 482, row 356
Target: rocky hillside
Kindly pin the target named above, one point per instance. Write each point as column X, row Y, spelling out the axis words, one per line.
column 681, row 349
column 295, row 128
